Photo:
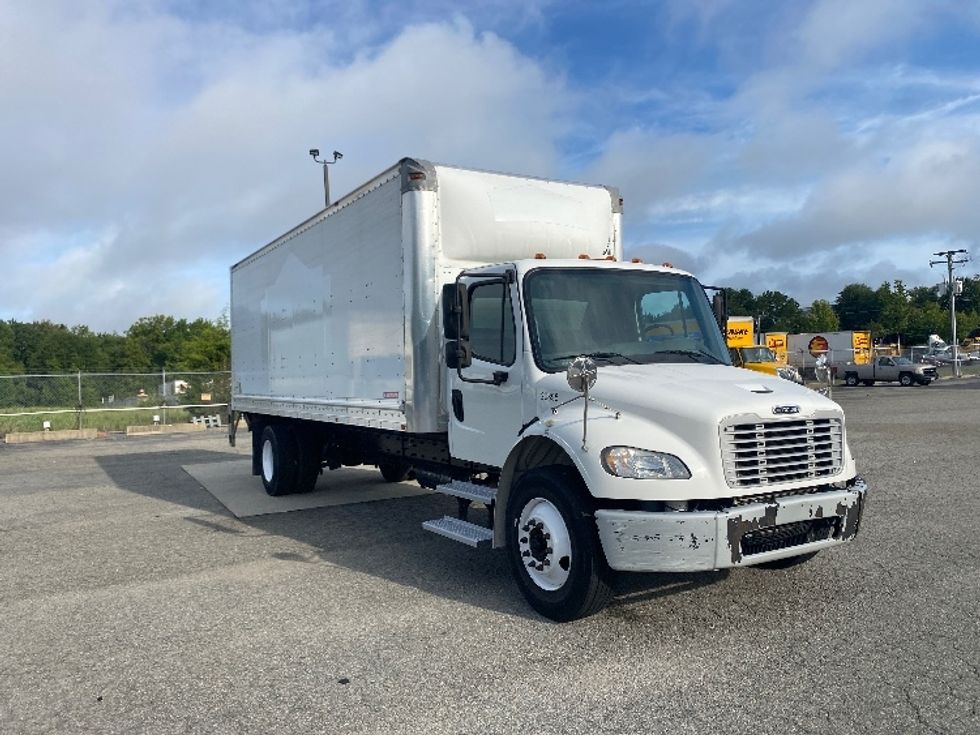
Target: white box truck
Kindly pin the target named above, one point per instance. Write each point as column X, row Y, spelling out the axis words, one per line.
column 483, row 331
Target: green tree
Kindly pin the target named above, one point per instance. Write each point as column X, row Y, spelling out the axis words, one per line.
column 820, row 317
column 8, row 363
column 857, row 306
column 777, row 312
column 895, row 309
column 740, row 302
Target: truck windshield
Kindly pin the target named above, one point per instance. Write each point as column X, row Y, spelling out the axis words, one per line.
column 619, row 317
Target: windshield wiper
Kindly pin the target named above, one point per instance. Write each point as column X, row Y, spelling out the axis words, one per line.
column 595, row 356
column 700, row 355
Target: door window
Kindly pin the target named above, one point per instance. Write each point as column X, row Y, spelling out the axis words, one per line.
column 492, row 335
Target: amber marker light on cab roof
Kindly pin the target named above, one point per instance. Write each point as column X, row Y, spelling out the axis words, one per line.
column 540, row 256
column 667, row 265
column 584, row 256
column 636, row 260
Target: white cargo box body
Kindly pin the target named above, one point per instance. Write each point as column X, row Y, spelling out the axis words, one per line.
column 338, row 319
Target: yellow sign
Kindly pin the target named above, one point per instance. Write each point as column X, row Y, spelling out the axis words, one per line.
column 776, row 341
column 740, row 331
column 861, row 342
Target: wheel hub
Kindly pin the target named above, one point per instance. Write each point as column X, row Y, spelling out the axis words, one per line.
column 544, row 544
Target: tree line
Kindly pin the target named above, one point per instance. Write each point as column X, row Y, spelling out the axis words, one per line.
column 891, row 312
column 151, row 344
column 162, row 342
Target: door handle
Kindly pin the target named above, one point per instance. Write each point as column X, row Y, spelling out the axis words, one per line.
column 458, row 404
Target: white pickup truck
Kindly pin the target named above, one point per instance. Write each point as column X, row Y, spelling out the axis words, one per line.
column 483, row 331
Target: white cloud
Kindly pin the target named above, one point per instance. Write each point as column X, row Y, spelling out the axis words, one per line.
column 184, row 145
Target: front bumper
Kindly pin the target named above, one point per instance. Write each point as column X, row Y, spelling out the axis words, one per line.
column 681, row 541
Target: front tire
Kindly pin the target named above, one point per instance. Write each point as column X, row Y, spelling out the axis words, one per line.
column 554, row 548
column 905, row 379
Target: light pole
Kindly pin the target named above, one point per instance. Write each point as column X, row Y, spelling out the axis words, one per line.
column 337, row 155
column 948, row 256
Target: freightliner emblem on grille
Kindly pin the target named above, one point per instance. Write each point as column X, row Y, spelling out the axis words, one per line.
column 781, row 410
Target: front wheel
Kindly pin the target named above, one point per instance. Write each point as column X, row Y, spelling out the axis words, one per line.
column 905, row 379
column 554, row 547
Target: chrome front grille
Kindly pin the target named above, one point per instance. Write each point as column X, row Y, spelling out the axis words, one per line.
column 772, row 452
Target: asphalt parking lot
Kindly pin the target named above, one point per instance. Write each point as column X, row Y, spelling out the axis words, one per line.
column 132, row 601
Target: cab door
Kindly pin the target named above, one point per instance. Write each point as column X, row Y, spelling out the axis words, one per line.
column 886, row 369
column 485, row 401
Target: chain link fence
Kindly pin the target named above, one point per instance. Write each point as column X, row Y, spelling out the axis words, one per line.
column 109, row 401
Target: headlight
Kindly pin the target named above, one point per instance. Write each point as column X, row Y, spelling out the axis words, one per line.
column 641, row 464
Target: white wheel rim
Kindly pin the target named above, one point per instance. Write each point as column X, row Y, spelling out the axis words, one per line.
column 545, row 544
column 268, row 462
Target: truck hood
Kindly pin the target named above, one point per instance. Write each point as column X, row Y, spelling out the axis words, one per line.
column 696, row 393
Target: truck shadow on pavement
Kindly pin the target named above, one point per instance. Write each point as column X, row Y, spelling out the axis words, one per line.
column 382, row 538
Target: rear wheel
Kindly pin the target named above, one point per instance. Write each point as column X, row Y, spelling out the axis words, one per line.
column 851, row 379
column 554, row 547
column 905, row 379
column 279, row 459
column 309, row 454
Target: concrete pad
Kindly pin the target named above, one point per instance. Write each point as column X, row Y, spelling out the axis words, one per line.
column 27, row 437
column 148, row 429
column 234, row 486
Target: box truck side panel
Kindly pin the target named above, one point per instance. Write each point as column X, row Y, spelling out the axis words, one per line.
column 319, row 317
column 492, row 218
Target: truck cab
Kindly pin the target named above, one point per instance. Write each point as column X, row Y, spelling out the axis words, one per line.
column 605, row 390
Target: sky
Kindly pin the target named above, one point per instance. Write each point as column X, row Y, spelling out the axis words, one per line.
column 146, row 145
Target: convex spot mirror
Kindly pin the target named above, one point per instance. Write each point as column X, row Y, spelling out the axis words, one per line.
column 581, row 374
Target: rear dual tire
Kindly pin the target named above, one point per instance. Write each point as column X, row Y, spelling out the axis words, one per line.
column 289, row 459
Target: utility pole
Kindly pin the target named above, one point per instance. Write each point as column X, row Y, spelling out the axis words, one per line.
column 948, row 256
column 337, row 155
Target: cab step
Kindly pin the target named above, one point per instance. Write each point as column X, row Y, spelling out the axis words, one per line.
column 463, row 531
column 468, row 491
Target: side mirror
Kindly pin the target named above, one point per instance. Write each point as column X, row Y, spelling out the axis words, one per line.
column 581, row 374
column 455, row 312
column 459, row 355
column 719, row 305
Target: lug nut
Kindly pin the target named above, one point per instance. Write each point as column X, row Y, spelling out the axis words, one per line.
column 526, row 553
column 540, row 567
column 524, row 540
column 530, row 565
column 547, row 562
column 526, row 527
